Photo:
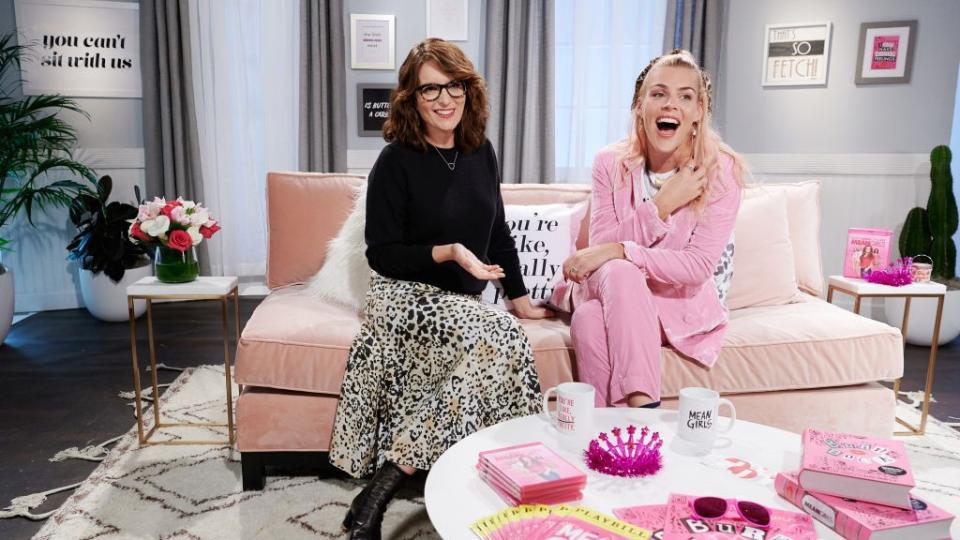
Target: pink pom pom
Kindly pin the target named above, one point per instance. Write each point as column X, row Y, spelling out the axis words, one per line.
column 633, row 457
column 896, row 275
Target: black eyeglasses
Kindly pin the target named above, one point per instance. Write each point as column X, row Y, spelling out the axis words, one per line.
column 431, row 92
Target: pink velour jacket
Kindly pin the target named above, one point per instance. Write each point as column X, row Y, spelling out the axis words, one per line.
column 679, row 255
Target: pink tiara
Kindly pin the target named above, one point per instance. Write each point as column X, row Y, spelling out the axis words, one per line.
column 633, row 457
column 896, row 274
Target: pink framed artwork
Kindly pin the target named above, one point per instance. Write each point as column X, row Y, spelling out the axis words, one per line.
column 886, row 52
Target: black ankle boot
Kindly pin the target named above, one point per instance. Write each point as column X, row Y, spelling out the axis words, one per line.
column 355, row 506
column 367, row 515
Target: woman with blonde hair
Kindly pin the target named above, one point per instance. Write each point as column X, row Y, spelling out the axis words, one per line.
column 432, row 363
column 663, row 208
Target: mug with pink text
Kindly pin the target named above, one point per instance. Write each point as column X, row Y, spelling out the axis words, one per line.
column 698, row 422
column 574, row 414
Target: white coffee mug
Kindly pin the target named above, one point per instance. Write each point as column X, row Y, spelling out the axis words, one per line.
column 697, row 422
column 574, row 414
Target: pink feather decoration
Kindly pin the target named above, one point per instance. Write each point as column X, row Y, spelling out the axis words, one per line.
column 634, row 457
column 896, row 275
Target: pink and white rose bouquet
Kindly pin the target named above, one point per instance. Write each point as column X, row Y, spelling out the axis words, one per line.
column 178, row 224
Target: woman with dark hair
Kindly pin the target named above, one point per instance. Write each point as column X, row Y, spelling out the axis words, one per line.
column 432, row 364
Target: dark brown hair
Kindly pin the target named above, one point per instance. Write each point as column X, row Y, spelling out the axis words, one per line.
column 404, row 123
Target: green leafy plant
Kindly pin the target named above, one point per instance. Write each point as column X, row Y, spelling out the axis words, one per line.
column 930, row 230
column 35, row 144
column 102, row 243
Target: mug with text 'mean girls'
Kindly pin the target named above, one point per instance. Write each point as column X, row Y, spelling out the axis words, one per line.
column 574, row 414
column 697, row 422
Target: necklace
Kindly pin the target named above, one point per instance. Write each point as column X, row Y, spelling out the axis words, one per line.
column 450, row 165
column 659, row 179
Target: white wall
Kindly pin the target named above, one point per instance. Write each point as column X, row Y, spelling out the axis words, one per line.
column 841, row 117
column 112, row 143
column 869, row 145
column 411, row 28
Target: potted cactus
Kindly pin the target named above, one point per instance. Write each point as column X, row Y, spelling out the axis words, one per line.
column 929, row 231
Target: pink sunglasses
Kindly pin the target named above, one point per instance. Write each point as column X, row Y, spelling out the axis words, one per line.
column 714, row 508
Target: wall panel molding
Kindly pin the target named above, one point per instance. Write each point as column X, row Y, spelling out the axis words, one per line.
column 840, row 164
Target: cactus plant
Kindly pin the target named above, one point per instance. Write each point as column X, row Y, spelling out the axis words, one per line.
column 930, row 231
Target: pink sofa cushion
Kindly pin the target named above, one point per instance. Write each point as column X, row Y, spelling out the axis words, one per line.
column 764, row 273
column 304, row 211
column 803, row 215
column 296, row 342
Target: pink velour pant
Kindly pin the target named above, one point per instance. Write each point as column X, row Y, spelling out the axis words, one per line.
column 616, row 334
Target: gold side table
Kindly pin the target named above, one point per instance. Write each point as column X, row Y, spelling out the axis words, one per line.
column 858, row 289
column 203, row 288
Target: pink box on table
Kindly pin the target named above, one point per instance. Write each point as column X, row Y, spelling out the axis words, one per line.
column 867, row 250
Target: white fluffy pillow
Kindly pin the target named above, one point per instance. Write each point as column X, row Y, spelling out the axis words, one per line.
column 345, row 275
column 545, row 234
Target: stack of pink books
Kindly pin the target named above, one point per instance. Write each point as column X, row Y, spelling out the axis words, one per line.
column 860, row 488
column 531, row 474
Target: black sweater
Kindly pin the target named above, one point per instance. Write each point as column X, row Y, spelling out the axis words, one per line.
column 415, row 202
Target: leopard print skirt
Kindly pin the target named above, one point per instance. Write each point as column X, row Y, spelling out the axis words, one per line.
column 428, row 368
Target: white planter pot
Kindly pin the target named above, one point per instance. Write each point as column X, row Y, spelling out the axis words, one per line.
column 923, row 313
column 6, row 302
column 107, row 300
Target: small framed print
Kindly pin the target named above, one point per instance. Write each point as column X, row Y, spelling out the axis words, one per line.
column 886, row 52
column 796, row 54
column 373, row 108
column 372, row 41
column 447, row 19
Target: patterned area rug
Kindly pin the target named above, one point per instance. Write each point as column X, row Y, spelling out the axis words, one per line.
column 194, row 492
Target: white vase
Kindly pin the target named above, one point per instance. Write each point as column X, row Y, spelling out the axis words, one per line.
column 6, row 301
column 107, row 300
column 923, row 313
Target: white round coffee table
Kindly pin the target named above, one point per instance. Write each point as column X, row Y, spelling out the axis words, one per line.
column 455, row 495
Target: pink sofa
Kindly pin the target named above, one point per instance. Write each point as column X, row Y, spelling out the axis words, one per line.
column 802, row 364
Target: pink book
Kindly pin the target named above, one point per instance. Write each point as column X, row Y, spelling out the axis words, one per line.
column 867, row 250
column 857, row 520
column 861, row 468
column 531, row 468
column 682, row 524
column 508, row 497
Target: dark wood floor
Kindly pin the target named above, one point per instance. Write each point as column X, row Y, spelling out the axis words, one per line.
column 60, row 372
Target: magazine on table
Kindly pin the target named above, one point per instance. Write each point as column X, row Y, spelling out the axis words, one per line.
column 542, row 522
column 677, row 521
column 867, row 250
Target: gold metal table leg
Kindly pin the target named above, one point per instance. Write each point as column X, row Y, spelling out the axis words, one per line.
column 136, row 369
column 931, row 369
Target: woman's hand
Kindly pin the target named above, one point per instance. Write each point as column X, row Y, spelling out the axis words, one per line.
column 585, row 262
column 468, row 261
column 680, row 189
column 523, row 309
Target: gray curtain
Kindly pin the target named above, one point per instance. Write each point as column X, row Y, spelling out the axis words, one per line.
column 323, row 103
column 519, row 65
column 170, row 137
column 698, row 26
